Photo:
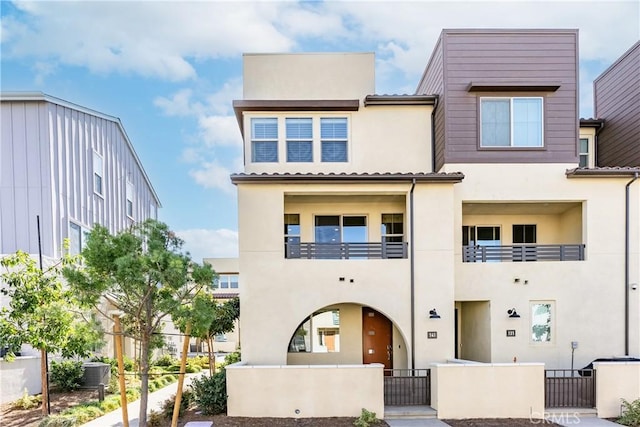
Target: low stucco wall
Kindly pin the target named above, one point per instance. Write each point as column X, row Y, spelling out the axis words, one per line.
column 615, row 381
column 23, row 372
column 304, row 391
column 484, row 390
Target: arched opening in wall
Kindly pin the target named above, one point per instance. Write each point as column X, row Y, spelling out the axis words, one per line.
column 347, row 333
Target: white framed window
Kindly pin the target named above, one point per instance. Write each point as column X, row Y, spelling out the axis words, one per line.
column 584, row 152
column 264, row 140
column 542, row 331
column 98, row 174
column 129, row 203
column 333, row 139
column 392, row 229
column 511, row 122
column 226, row 281
column 299, row 133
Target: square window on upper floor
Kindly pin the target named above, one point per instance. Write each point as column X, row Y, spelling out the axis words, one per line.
column 264, row 140
column 511, row 122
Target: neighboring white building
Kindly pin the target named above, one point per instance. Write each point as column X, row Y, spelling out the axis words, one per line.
column 73, row 168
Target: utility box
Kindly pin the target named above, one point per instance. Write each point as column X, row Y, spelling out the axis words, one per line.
column 96, row 373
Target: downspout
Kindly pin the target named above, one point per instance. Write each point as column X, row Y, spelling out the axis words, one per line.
column 412, row 279
column 626, row 265
column 433, row 135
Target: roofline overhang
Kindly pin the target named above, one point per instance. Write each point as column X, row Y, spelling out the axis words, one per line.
column 240, row 106
column 591, row 123
column 446, row 178
column 372, row 100
column 513, row 86
column 622, row 172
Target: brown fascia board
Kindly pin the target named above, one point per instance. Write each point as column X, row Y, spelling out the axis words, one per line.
column 604, row 172
column 591, row 123
column 242, row 105
column 513, row 86
column 372, row 100
column 452, row 178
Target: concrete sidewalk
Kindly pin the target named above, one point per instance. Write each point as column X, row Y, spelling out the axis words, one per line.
column 114, row 418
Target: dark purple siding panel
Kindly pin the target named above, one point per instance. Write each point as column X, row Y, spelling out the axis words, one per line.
column 617, row 101
column 432, row 83
column 543, row 57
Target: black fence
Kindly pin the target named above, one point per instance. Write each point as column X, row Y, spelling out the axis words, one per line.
column 566, row 388
column 346, row 250
column 523, row 253
column 405, row 387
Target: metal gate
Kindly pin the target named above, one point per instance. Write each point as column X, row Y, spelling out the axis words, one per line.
column 566, row 388
column 407, row 387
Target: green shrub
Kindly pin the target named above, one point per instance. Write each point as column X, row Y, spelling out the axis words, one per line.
column 185, row 403
column 201, row 361
column 27, row 402
column 165, row 360
column 129, row 363
column 114, row 385
column 210, row 393
column 189, row 369
column 155, row 419
column 133, row 394
column 630, row 413
column 84, row 413
column 366, row 419
column 58, row 421
column 232, row 358
column 67, row 375
column 110, row 403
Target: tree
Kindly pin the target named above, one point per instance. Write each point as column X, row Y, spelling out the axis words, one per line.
column 222, row 321
column 42, row 313
column 143, row 274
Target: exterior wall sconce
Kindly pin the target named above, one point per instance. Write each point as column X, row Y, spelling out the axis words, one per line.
column 513, row 313
column 433, row 314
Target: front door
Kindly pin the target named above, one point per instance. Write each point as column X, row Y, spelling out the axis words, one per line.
column 376, row 338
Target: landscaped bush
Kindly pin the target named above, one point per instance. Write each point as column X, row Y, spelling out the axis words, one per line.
column 185, row 403
column 67, row 375
column 190, row 368
column 165, row 360
column 210, row 393
column 27, row 402
column 201, row 361
column 630, row 413
column 58, row 421
column 155, row 419
column 129, row 363
column 230, row 358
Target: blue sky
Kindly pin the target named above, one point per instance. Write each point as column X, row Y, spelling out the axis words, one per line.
column 170, row 70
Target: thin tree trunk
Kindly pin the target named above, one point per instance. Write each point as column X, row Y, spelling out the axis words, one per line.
column 144, row 378
column 212, row 356
column 43, row 378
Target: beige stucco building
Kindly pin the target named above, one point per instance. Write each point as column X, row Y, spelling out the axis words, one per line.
column 464, row 222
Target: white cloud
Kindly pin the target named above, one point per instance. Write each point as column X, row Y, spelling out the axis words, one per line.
column 213, row 175
column 205, row 243
column 152, row 39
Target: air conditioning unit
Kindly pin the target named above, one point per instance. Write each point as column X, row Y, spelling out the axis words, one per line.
column 96, row 373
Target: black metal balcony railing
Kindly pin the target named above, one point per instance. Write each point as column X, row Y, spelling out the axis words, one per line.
column 346, row 250
column 523, row 253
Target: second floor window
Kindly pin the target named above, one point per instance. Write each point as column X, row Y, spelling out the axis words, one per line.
column 392, row 228
column 226, row 281
column 98, row 171
column 511, row 122
column 129, row 199
column 584, row 153
column 299, row 140
column 524, row 233
column 264, row 140
column 333, row 139
column 292, row 235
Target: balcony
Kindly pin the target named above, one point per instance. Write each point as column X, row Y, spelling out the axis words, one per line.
column 388, row 250
column 519, row 253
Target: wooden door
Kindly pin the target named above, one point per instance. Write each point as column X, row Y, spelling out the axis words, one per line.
column 377, row 345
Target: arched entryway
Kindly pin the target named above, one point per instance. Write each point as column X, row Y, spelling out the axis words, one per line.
column 347, row 333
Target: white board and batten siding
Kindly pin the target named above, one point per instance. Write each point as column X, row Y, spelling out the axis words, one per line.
column 47, row 168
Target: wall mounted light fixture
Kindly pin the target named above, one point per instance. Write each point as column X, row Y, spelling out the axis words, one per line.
column 513, row 313
column 433, row 314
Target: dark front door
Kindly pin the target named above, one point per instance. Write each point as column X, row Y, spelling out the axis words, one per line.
column 376, row 338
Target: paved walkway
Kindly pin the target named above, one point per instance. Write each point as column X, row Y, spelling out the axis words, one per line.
column 114, row 418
